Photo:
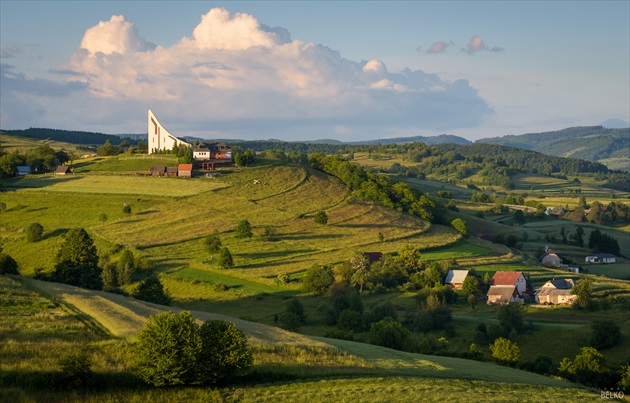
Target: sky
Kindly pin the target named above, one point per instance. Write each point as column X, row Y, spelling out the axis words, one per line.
column 306, row 70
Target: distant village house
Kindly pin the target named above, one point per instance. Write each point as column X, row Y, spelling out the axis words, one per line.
column 601, row 258
column 507, row 287
column 23, row 170
column 551, row 259
column 62, row 170
column 184, row 170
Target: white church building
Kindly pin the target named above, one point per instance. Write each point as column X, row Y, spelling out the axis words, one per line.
column 159, row 137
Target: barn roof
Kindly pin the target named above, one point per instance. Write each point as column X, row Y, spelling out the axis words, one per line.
column 505, row 292
column 505, row 277
column 456, row 276
column 185, row 167
column 158, row 168
column 62, row 169
column 171, row 169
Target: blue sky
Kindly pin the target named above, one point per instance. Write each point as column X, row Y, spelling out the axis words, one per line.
column 308, row 70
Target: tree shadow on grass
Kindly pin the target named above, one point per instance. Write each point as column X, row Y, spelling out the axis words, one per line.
column 147, row 212
column 297, row 237
column 362, row 225
column 268, row 255
column 55, row 233
column 36, row 209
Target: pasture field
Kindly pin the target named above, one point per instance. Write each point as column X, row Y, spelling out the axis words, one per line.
column 432, row 186
column 12, row 143
column 126, row 185
column 464, row 250
column 123, row 163
column 553, row 227
column 620, row 271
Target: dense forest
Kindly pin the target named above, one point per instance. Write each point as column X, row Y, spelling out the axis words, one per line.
column 68, row 136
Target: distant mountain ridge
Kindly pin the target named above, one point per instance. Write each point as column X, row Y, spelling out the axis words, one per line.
column 591, row 143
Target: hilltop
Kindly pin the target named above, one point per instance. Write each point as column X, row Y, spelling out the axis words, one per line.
column 592, row 143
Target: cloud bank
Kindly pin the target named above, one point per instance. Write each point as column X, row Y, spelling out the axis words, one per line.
column 236, row 77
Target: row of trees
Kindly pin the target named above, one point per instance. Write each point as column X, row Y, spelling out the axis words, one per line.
column 40, row 159
column 379, row 188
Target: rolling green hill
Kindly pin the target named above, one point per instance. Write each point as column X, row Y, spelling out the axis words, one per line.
column 592, row 143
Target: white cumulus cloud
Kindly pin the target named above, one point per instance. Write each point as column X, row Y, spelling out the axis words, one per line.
column 236, row 75
column 477, row 44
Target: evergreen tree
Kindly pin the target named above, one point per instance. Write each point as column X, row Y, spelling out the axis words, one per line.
column 152, row 290
column 244, row 229
column 77, row 261
column 321, row 218
column 225, row 260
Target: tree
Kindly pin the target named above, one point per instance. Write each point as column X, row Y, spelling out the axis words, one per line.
column 109, row 277
column 126, row 209
column 472, row 301
column 77, row 261
column 168, row 348
column 152, row 290
column 321, row 218
column 470, row 285
column 578, row 237
column 125, row 269
column 510, row 318
column 76, row 370
column 409, row 258
column 388, row 333
column 8, row 265
column 224, row 353
column 244, row 229
column 606, row 334
column 213, row 244
column 588, row 367
column 295, row 307
column 225, row 260
column 34, row 232
column 318, row 279
column 519, row 217
column 359, row 265
column 563, row 234
column 505, row 351
column 380, row 236
column 583, row 289
column 107, row 149
column 460, row 226
column 349, row 320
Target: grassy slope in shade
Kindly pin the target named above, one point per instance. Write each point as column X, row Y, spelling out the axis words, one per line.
column 124, row 316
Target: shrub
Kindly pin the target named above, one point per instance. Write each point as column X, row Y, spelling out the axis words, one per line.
column 505, row 351
column 606, row 334
column 318, row 279
column 8, row 265
column 321, row 218
column 76, row 371
column 588, row 367
column 152, row 290
column 511, row 318
column 295, row 307
column 173, row 350
column 224, row 352
column 34, row 232
column 225, row 260
column 103, row 217
column 244, row 229
column 349, row 320
column 388, row 333
column 290, row 321
column 126, row 209
column 460, row 226
column 212, row 243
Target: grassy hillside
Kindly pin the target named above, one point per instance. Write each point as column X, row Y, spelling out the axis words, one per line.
column 310, row 361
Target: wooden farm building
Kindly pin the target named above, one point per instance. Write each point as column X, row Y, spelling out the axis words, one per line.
column 171, row 171
column 158, row 170
column 62, row 170
column 455, row 278
column 503, row 294
column 185, row 170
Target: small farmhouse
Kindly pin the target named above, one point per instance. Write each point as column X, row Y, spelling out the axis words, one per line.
column 62, row 170
column 556, row 291
column 555, row 211
column 185, row 170
column 509, row 278
column 601, row 258
column 551, row 259
column 455, row 278
column 503, row 294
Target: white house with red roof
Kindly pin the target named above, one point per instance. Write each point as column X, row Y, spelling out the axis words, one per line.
column 506, row 287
